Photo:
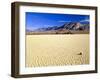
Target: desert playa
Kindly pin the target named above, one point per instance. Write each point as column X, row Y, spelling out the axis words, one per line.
column 57, row 50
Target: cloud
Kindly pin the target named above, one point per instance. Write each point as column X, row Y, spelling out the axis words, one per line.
column 64, row 21
column 86, row 20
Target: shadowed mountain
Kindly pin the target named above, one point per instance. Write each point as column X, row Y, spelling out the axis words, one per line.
column 67, row 28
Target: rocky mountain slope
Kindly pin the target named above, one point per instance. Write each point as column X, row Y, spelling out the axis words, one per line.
column 67, row 26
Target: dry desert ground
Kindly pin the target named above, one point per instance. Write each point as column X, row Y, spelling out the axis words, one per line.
column 57, row 50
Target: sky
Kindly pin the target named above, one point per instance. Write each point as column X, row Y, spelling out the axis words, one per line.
column 35, row 20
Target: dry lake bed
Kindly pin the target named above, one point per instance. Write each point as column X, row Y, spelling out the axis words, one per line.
column 57, row 50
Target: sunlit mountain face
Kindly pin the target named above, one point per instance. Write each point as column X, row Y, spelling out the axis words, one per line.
column 67, row 26
column 50, row 22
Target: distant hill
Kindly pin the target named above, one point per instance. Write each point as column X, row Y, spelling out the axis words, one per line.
column 67, row 26
column 70, row 26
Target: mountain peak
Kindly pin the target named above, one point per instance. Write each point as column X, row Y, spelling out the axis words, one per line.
column 67, row 26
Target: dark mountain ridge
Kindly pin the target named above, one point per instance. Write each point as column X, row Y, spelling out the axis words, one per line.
column 67, row 26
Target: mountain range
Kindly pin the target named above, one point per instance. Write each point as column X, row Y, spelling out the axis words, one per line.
column 67, row 26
